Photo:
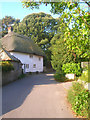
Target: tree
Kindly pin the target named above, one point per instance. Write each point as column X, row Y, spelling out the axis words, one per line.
column 75, row 33
column 60, row 52
column 7, row 21
column 73, row 43
column 41, row 28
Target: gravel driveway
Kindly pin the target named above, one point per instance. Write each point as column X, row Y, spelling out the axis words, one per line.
column 36, row 96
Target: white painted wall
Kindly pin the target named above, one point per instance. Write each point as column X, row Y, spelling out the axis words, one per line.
column 25, row 59
column 70, row 76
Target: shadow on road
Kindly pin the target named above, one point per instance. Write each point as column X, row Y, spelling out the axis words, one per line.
column 14, row 94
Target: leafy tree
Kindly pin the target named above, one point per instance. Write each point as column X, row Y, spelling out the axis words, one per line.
column 41, row 28
column 72, row 45
column 7, row 21
column 73, row 39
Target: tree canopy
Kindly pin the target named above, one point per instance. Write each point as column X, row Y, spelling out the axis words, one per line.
column 7, row 21
column 41, row 28
column 71, row 44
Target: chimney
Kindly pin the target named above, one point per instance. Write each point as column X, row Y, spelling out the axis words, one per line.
column 10, row 29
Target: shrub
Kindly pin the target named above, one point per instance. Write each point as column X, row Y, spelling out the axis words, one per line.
column 61, row 78
column 22, row 76
column 30, row 73
column 79, row 97
column 72, row 68
column 6, row 66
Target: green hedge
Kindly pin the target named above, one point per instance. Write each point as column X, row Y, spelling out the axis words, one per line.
column 72, row 68
column 79, row 99
column 6, row 66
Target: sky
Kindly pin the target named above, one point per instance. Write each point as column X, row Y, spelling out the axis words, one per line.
column 16, row 10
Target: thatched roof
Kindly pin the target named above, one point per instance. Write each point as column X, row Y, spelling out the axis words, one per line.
column 7, row 55
column 20, row 43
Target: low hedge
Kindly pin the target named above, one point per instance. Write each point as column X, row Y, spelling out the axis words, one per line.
column 6, row 66
column 61, row 78
column 79, row 99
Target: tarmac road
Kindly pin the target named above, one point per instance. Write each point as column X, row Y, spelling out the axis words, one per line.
column 35, row 96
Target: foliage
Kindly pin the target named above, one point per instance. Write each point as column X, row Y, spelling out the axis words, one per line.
column 72, row 43
column 74, row 33
column 79, row 98
column 57, row 6
column 60, row 54
column 60, row 77
column 84, row 76
column 72, row 68
column 22, row 76
column 40, row 27
column 8, row 21
column 6, row 66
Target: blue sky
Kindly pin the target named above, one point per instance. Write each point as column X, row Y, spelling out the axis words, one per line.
column 16, row 10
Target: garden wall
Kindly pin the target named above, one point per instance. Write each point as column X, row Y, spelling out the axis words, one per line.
column 12, row 75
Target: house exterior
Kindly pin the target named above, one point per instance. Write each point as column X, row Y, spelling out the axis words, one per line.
column 24, row 49
column 8, row 76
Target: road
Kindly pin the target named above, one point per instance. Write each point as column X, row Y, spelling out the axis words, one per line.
column 35, row 96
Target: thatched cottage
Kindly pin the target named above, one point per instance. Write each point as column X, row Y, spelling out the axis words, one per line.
column 23, row 48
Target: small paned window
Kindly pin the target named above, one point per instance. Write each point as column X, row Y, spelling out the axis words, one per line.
column 34, row 65
column 31, row 56
column 27, row 65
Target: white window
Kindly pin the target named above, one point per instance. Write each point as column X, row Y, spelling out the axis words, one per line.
column 27, row 65
column 34, row 65
column 31, row 56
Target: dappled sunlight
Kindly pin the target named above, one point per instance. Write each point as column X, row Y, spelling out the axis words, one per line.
column 49, row 74
column 52, row 79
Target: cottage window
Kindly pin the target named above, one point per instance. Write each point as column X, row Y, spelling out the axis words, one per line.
column 31, row 56
column 39, row 59
column 27, row 65
column 34, row 65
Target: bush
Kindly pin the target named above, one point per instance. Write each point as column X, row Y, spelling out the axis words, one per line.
column 6, row 66
column 61, row 78
column 22, row 76
column 72, row 68
column 79, row 98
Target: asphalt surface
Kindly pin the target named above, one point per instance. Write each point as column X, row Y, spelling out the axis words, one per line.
column 35, row 96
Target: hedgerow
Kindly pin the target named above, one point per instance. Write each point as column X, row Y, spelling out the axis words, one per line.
column 79, row 99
